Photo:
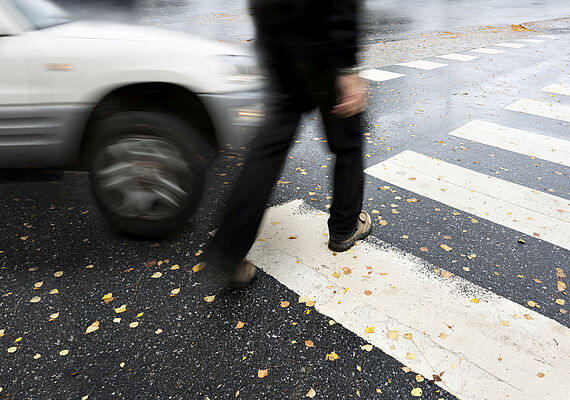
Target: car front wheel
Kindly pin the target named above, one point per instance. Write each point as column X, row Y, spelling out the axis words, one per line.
column 147, row 171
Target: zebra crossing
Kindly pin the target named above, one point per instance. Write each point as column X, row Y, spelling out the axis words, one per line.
column 427, row 320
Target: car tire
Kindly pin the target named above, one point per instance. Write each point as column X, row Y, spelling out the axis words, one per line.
column 147, row 171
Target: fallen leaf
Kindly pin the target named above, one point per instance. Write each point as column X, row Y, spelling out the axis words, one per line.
column 392, row 335
column 336, row 275
column 209, row 299
column 156, row 275
column 240, row 324
column 473, row 220
column 303, row 299
column 134, row 324
column 108, row 298
column 37, row 356
column 199, row 267
column 332, row 356
column 504, row 323
column 528, row 317
column 446, row 274
column 116, row 320
column 406, row 369
column 540, row 375
column 442, row 335
column 445, row 247
column 369, row 329
column 54, row 315
column 309, row 343
column 12, row 349
column 410, row 356
column 346, row 270
column 35, row 299
column 64, row 352
column 311, row 393
column 262, row 373
column 175, row 267
column 92, row 328
column 560, row 273
column 174, row 292
column 408, row 336
column 531, row 303
column 38, row 285
column 417, row 392
column 121, row 309
column 158, row 331
column 140, row 314
column 412, row 200
column 367, row 292
column 367, row 347
column 436, row 378
column 521, row 241
column 284, row 304
column 54, row 291
column 90, row 266
column 58, row 274
column 332, row 322
column 474, row 301
column 561, row 286
column 423, row 249
column 419, row 378
column 560, row 302
column 471, row 256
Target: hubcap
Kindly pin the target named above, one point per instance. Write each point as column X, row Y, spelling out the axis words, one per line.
column 142, row 177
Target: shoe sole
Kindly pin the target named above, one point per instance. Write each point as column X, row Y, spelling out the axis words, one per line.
column 339, row 248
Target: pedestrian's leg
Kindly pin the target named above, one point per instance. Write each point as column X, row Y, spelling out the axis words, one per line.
column 247, row 202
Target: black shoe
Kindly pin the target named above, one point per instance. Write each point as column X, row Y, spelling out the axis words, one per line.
column 244, row 275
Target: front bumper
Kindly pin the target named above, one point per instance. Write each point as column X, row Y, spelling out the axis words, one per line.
column 236, row 115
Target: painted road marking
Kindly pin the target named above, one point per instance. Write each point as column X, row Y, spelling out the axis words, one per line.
column 511, row 45
column 547, row 36
column 488, row 51
column 458, row 57
column 531, row 40
column 379, row 75
column 517, row 207
column 542, row 109
column 486, row 347
column 558, row 88
column 422, row 64
column 516, row 140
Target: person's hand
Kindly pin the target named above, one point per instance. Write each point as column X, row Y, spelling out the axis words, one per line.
column 351, row 95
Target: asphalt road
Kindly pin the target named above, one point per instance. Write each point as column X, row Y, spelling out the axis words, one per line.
column 56, row 246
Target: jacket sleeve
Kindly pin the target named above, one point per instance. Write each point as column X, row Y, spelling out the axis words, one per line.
column 341, row 20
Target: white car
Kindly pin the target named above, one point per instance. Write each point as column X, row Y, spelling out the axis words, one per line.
column 140, row 108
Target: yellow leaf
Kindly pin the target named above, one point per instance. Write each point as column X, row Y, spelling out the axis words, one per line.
column 471, row 256
column 417, row 392
column 37, row 356
column 262, row 373
column 336, row 275
column 346, row 270
column 309, row 343
column 540, row 375
column 12, row 349
column 54, row 315
column 121, row 309
column 406, row 369
column 560, row 273
column 175, row 267
column 140, row 314
column 474, row 220
column 174, row 292
column 64, row 352
column 445, row 247
column 383, row 222
column 561, row 286
column 199, row 267
column 134, row 324
column 442, row 335
column 116, row 320
column 474, row 301
column 560, row 302
column 419, row 378
column 209, row 299
column 240, row 324
column 90, row 266
column 54, row 291
column 367, row 347
column 423, row 249
column 412, row 200
column 392, row 335
column 332, row 356
column 35, row 299
column 504, row 323
column 446, row 274
column 156, row 275
column 107, row 296
column 369, row 329
column 2, row 332
column 38, row 285
column 332, row 322
column 410, row 356
column 311, row 393
column 158, row 331
column 92, row 328
column 18, row 339
column 531, row 303
column 528, row 317
column 408, row 336
column 58, row 274
column 284, row 304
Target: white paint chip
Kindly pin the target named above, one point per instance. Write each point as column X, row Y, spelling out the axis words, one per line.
column 457, row 57
column 379, row 75
column 422, row 64
column 542, row 109
column 487, row 51
column 557, row 88
column 514, row 206
column 411, row 298
column 511, row 45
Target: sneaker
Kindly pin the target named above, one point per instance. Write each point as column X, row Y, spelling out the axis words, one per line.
column 244, row 275
column 362, row 230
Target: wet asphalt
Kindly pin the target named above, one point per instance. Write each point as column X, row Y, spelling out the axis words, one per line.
column 182, row 347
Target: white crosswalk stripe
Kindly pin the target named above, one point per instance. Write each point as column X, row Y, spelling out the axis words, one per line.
column 557, row 88
column 379, row 75
column 422, row 64
column 486, row 347
column 516, row 140
column 506, row 203
column 531, row 40
column 548, row 36
column 511, row 45
column 540, row 108
column 457, row 57
column 488, row 51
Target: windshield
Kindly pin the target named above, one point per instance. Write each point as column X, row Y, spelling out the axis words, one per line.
column 41, row 13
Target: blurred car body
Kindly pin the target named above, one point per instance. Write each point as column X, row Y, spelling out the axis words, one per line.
column 140, row 108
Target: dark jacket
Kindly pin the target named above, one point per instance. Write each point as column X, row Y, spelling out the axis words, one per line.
column 325, row 29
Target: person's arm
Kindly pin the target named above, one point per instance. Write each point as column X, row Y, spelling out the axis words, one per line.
column 341, row 22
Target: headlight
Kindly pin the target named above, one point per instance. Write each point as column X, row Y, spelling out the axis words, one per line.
column 238, row 69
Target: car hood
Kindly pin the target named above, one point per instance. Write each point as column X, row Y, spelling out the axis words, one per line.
column 90, row 30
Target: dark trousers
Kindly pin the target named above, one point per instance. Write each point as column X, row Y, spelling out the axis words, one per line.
column 298, row 84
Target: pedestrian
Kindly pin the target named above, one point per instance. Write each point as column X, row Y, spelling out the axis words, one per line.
column 309, row 50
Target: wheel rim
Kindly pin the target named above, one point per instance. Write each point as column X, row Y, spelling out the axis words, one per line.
column 143, row 177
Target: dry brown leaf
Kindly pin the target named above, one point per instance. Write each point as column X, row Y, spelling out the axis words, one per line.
column 346, row 270
column 446, row 274
column 309, row 343
column 284, row 304
column 367, row 292
column 442, row 335
column 240, row 325
column 540, row 375
column 262, row 373
column 311, row 393
column 560, row 273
